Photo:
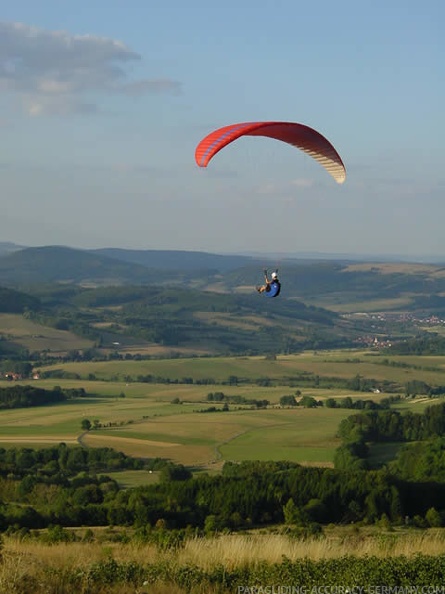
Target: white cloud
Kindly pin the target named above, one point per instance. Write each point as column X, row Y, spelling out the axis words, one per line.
column 53, row 71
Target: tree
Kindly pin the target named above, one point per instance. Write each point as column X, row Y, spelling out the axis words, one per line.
column 308, row 402
column 330, row 403
column 351, row 456
column 175, row 472
column 316, row 510
column 294, row 514
column 290, row 512
column 88, row 494
column 86, row 425
column 211, row 524
column 26, row 485
column 433, row 518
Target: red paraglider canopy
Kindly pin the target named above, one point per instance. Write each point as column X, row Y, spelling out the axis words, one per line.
column 306, row 139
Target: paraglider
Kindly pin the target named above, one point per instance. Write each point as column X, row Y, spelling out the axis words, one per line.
column 272, row 285
column 298, row 135
column 302, row 137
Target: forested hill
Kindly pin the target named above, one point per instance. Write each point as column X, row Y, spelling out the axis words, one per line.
column 182, row 317
column 176, row 259
column 61, row 264
column 12, row 301
column 326, row 283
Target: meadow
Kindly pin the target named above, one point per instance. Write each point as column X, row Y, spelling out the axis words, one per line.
column 149, row 422
column 176, row 421
column 335, row 363
column 36, row 337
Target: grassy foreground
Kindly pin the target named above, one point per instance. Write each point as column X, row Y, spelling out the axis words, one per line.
column 227, row 563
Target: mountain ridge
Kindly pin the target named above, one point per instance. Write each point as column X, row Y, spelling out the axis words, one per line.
column 133, row 254
column 323, row 283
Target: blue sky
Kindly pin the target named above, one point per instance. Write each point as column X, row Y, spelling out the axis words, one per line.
column 103, row 103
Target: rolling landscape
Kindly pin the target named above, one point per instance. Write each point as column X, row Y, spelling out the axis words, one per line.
column 152, row 403
column 222, row 298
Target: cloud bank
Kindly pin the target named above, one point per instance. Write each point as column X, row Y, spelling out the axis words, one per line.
column 55, row 73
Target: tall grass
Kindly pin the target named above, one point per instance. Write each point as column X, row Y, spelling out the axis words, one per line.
column 32, row 567
column 233, row 550
column 240, row 550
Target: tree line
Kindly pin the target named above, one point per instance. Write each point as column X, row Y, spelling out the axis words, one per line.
column 421, row 454
column 427, row 344
column 22, row 396
column 70, row 487
column 392, row 425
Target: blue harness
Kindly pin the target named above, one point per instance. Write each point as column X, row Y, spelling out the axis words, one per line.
column 274, row 290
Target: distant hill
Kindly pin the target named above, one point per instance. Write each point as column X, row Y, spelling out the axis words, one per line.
column 137, row 318
column 206, row 303
column 109, row 266
column 341, row 285
column 177, row 259
column 16, row 302
column 62, row 264
column 7, row 247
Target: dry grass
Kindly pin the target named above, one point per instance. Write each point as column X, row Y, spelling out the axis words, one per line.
column 240, row 550
column 26, row 566
column 78, row 554
column 45, row 570
column 231, row 550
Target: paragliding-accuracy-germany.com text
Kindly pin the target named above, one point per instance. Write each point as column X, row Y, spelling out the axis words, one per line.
column 340, row 589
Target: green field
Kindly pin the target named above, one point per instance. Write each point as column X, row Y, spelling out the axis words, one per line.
column 35, row 337
column 303, row 435
column 128, row 479
column 369, row 305
column 341, row 364
column 163, row 419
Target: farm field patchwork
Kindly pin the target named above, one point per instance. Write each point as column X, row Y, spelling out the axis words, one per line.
column 285, row 368
column 163, row 419
column 150, row 427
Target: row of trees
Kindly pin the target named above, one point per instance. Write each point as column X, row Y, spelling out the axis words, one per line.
column 21, row 396
column 62, row 461
column 392, row 425
column 62, row 486
column 308, row 401
column 303, row 380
